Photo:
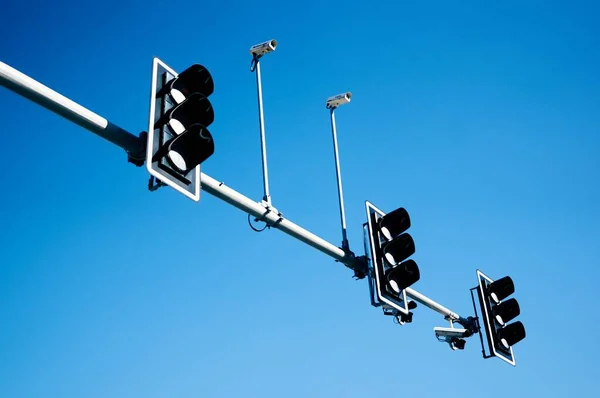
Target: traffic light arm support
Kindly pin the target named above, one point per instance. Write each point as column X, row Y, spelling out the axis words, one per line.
column 61, row 105
column 135, row 147
column 485, row 355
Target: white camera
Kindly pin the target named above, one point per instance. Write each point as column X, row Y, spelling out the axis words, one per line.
column 258, row 50
column 337, row 100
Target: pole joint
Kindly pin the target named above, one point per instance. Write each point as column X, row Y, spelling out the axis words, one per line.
column 470, row 323
column 357, row 264
column 138, row 157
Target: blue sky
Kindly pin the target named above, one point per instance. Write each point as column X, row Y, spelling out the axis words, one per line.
column 482, row 120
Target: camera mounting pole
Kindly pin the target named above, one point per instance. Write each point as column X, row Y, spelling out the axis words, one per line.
column 258, row 51
column 332, row 104
column 263, row 145
column 345, row 244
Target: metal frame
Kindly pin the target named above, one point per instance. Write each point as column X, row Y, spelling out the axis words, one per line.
column 482, row 280
column 477, row 325
column 369, row 256
column 137, row 151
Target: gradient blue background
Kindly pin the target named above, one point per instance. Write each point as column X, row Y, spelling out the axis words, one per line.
column 481, row 120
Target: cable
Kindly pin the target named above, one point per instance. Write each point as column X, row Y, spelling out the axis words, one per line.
column 267, row 225
column 256, row 229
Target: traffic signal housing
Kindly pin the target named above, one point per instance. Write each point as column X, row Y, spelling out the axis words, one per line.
column 498, row 309
column 178, row 137
column 390, row 269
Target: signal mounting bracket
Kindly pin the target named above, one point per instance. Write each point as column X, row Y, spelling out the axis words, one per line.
column 476, row 320
column 153, row 186
column 139, row 160
column 362, row 269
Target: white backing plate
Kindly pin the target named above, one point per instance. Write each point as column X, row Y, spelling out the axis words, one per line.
column 151, row 166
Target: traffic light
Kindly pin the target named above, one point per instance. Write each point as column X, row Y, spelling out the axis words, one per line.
column 497, row 311
column 391, row 272
column 178, row 136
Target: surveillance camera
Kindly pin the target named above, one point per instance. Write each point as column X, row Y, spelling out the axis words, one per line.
column 337, row 100
column 258, row 50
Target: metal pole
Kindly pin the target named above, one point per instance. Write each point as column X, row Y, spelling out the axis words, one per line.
column 263, row 145
column 61, row 105
column 51, row 100
column 426, row 301
column 345, row 244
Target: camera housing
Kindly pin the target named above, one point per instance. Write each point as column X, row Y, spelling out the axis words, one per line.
column 337, row 100
column 258, row 50
column 446, row 333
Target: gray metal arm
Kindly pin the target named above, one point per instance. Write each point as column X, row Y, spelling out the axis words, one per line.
column 61, row 105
